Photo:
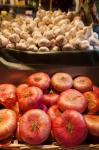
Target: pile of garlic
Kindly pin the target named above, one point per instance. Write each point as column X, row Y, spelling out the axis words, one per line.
column 57, row 31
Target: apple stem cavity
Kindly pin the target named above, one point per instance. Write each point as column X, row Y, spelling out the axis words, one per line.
column 27, row 95
column 69, row 127
column 35, row 126
column 63, row 78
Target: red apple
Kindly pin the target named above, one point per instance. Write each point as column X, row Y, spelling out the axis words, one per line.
column 8, row 122
column 93, row 102
column 54, row 112
column 20, row 88
column 8, row 95
column 96, row 91
column 42, row 107
column 30, row 98
column 50, row 99
column 72, row 99
column 61, row 81
column 92, row 122
column 40, row 79
column 15, row 108
column 34, row 127
column 83, row 84
column 70, row 128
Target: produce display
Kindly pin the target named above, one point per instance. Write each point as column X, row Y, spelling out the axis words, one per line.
column 50, row 108
column 48, row 32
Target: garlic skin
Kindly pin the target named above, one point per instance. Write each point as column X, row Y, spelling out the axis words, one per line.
column 33, row 48
column 95, row 35
column 30, row 41
column 3, row 41
column 59, row 40
column 44, row 42
column 5, row 24
column 49, row 34
column 14, row 38
column 44, row 49
column 24, row 35
column 90, row 48
column 55, row 49
column 6, row 33
column 84, row 45
column 67, row 47
column 96, row 48
column 21, row 46
column 10, row 45
column 16, row 30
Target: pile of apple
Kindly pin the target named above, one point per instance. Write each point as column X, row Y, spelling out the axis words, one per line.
column 60, row 106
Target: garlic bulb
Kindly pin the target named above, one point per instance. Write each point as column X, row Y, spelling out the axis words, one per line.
column 95, row 35
column 24, row 35
column 6, row 33
column 21, row 46
column 52, row 32
column 10, row 45
column 30, row 41
column 43, row 49
column 68, row 47
column 49, row 34
column 44, row 42
column 59, row 40
column 83, row 45
column 33, row 48
column 3, row 41
column 55, row 49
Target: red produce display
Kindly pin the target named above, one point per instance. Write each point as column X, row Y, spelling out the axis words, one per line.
column 61, row 81
column 54, row 112
column 70, row 129
column 72, row 99
column 34, row 127
column 96, row 90
column 47, row 108
column 92, row 122
column 93, row 102
column 50, row 99
column 82, row 84
column 30, row 98
column 20, row 89
column 42, row 107
column 8, row 95
column 41, row 80
column 8, row 123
